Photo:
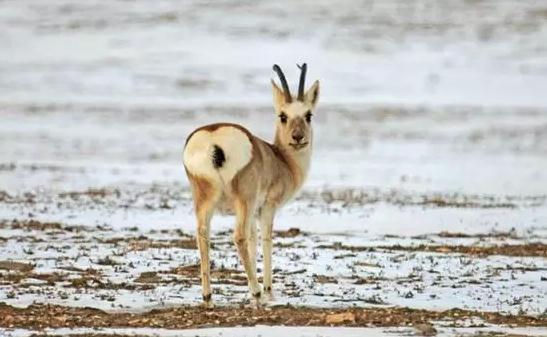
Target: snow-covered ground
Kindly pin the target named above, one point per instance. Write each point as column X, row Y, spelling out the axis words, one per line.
column 266, row 331
column 432, row 119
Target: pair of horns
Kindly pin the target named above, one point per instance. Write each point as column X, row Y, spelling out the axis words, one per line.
column 288, row 98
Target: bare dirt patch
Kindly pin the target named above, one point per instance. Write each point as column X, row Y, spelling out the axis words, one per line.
column 53, row 316
column 16, row 278
column 528, row 249
column 16, row 266
column 143, row 244
column 31, row 225
column 358, row 197
column 220, row 275
column 95, row 193
column 289, row 233
column 45, row 226
column 500, row 235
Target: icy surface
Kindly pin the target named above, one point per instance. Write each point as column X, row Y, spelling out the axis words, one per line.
column 266, row 331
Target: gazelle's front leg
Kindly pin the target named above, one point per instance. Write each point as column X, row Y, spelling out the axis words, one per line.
column 266, row 225
column 252, row 244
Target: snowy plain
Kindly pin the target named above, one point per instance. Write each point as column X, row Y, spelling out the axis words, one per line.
column 432, row 120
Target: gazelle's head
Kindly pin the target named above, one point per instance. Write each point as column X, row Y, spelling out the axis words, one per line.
column 294, row 114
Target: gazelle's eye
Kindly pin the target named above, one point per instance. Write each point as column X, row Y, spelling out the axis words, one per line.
column 308, row 116
column 283, row 117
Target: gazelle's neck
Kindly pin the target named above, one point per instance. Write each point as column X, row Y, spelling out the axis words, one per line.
column 298, row 161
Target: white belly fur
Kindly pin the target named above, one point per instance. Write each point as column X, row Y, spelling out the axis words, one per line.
column 198, row 153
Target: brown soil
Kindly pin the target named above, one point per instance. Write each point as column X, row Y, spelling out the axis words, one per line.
column 324, row 279
column 35, row 225
column 148, row 244
column 442, row 201
column 88, row 279
column 218, row 275
column 31, row 225
column 14, row 278
column 361, row 197
column 53, row 316
column 529, row 249
column 148, row 277
column 16, row 266
column 498, row 235
column 289, row 233
column 92, row 192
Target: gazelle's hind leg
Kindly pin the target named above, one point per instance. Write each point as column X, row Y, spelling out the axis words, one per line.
column 244, row 210
column 266, row 224
column 205, row 199
column 252, row 241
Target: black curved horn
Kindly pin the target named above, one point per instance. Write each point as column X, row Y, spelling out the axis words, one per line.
column 303, row 68
column 286, row 91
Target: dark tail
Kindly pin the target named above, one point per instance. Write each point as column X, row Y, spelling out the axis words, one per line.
column 218, row 157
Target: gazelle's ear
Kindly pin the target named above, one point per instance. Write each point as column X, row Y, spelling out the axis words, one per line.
column 312, row 95
column 278, row 97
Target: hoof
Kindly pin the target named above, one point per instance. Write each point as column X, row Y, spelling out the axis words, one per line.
column 207, row 302
column 258, row 300
column 268, row 294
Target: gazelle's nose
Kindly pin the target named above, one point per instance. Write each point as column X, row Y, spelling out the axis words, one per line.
column 297, row 136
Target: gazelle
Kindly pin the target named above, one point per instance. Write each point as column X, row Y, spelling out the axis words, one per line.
column 231, row 169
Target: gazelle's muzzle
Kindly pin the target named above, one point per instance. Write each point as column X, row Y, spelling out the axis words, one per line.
column 298, row 146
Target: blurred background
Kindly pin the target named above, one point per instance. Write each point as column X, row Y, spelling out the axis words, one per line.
column 166, row 52
column 420, row 94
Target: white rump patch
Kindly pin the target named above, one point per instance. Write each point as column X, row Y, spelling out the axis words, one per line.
column 198, row 153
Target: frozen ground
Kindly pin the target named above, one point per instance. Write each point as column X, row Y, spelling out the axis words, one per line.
column 265, row 331
column 428, row 187
column 413, row 177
